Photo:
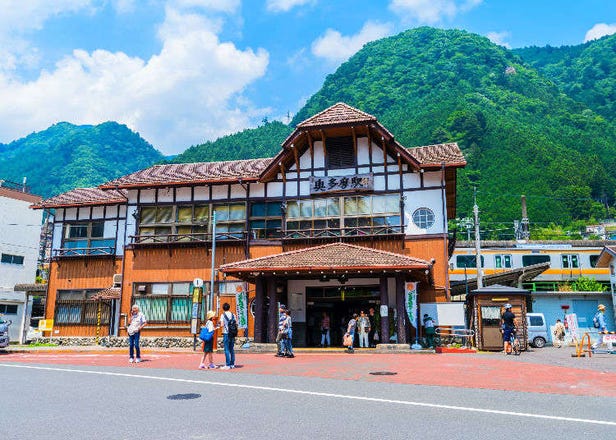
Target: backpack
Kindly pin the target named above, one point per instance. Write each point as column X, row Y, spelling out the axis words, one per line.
column 595, row 321
column 205, row 335
column 231, row 326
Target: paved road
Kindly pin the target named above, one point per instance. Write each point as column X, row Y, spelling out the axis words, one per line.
column 94, row 394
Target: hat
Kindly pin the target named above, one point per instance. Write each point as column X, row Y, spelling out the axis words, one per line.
column 210, row 314
column 283, row 307
column 601, row 307
column 507, row 306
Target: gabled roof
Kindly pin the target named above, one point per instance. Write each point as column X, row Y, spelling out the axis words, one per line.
column 339, row 113
column 83, row 196
column 607, row 254
column 328, row 258
column 433, row 156
column 191, row 174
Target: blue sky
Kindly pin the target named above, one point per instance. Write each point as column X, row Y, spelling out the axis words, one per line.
column 181, row 72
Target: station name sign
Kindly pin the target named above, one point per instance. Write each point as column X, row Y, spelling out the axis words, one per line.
column 353, row 182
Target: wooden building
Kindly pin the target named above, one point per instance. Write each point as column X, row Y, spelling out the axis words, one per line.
column 338, row 222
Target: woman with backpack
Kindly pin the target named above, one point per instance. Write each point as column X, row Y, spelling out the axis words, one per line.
column 599, row 323
column 207, row 337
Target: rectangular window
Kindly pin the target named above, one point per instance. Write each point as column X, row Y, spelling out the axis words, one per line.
column 529, row 260
column 502, row 261
column 594, row 259
column 230, row 221
column 12, row 259
column 87, row 238
column 570, row 261
column 468, row 261
column 165, row 303
column 340, row 153
column 8, row 309
column 266, row 220
column 173, row 223
column 76, row 307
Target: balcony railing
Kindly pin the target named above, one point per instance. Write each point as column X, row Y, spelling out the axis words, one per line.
column 187, row 238
column 85, row 252
column 354, row 231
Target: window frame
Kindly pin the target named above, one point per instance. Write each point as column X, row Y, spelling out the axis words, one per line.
column 177, row 304
column 422, row 214
column 72, row 245
column 17, row 260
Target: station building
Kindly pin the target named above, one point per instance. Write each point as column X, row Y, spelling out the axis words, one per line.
column 342, row 219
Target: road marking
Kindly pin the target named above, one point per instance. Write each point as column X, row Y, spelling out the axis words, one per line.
column 320, row 394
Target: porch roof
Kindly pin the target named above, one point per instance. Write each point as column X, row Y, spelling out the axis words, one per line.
column 606, row 256
column 333, row 258
column 110, row 293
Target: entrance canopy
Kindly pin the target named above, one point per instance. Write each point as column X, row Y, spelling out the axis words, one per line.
column 335, row 259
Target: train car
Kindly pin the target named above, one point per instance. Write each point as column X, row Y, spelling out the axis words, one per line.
column 568, row 260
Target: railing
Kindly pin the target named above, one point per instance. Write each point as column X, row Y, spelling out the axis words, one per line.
column 352, row 231
column 84, row 252
column 187, row 238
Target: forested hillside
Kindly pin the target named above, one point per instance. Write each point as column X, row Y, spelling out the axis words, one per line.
column 67, row 156
column 587, row 73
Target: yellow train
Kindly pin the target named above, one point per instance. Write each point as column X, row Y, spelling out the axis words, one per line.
column 568, row 260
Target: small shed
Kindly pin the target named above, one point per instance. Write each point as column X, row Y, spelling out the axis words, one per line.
column 485, row 307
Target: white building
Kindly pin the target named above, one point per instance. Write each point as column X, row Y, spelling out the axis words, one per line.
column 20, row 230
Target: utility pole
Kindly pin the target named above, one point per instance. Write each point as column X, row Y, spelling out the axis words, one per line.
column 525, row 228
column 477, row 241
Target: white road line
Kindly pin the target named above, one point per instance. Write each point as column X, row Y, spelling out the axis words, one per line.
column 331, row 395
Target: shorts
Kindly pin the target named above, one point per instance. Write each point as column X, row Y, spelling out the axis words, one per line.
column 507, row 334
column 208, row 346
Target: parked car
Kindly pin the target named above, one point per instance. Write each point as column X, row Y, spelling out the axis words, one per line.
column 537, row 329
column 4, row 332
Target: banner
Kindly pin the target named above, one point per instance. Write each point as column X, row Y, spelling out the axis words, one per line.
column 572, row 325
column 410, row 299
column 242, row 309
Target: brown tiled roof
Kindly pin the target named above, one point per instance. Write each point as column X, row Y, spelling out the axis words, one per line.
column 30, row 287
column 84, row 196
column 329, row 257
column 111, row 293
column 606, row 256
column 339, row 113
column 435, row 155
column 18, row 195
column 191, row 173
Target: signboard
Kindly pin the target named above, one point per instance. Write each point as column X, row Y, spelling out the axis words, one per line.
column 196, row 308
column 449, row 314
column 198, row 282
column 45, row 325
column 354, row 182
column 384, row 311
column 410, row 299
column 242, row 309
column 572, row 325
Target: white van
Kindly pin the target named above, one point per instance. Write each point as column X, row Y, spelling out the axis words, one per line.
column 537, row 329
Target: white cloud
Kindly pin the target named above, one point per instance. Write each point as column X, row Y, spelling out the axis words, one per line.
column 600, row 30
column 335, row 47
column 189, row 92
column 430, row 11
column 227, row 6
column 285, row 5
column 499, row 38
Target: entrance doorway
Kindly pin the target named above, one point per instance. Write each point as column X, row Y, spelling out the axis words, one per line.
column 339, row 303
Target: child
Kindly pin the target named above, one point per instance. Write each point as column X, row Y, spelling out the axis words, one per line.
column 208, row 346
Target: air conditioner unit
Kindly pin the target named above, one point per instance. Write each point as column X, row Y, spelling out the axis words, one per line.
column 117, row 280
column 142, row 289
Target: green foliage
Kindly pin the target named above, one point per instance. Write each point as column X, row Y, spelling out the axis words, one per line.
column 67, row 156
column 587, row 284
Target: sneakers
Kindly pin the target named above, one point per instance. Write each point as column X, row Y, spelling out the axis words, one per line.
column 225, row 367
column 131, row 360
column 138, row 360
column 201, row 366
column 211, row 367
column 289, row 355
column 279, row 355
column 231, row 367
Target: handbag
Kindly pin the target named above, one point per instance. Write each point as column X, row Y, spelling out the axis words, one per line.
column 205, row 335
column 347, row 341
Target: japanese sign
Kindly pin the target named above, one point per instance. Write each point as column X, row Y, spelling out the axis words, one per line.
column 572, row 325
column 410, row 299
column 242, row 309
column 356, row 182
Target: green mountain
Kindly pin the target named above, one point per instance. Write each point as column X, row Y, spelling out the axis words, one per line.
column 66, row 156
column 520, row 132
column 586, row 73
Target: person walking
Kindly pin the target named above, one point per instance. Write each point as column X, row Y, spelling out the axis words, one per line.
column 559, row 333
column 599, row 323
column 227, row 322
column 288, row 342
column 136, row 322
column 325, row 326
column 208, row 346
column 282, row 331
column 429, row 330
column 363, row 328
column 350, row 331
